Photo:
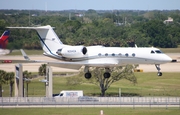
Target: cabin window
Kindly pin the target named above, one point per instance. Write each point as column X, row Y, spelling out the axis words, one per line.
column 152, row 52
column 113, row 54
column 133, row 54
column 99, row 54
column 126, row 54
column 106, row 54
column 120, row 54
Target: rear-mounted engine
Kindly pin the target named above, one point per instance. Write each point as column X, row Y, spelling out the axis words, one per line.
column 72, row 51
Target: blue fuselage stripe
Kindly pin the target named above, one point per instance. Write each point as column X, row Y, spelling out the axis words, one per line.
column 46, row 46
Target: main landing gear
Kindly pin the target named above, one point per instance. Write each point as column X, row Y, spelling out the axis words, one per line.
column 158, row 68
column 88, row 75
column 107, row 73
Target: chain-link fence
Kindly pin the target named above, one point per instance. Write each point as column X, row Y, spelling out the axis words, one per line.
column 92, row 101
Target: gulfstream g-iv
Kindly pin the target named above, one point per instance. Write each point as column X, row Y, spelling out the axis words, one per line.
column 74, row 57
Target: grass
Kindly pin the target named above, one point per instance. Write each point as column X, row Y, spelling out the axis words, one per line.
column 149, row 84
column 89, row 111
column 171, row 50
column 29, row 52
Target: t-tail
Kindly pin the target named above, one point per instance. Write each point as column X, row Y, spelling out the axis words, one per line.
column 4, row 39
column 49, row 40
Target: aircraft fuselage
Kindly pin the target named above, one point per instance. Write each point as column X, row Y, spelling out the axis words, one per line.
column 116, row 56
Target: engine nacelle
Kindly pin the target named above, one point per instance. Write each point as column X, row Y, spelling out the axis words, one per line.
column 72, row 51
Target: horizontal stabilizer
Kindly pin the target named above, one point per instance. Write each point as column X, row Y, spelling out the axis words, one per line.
column 35, row 28
column 24, row 55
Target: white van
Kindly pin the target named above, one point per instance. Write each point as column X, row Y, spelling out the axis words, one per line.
column 70, row 93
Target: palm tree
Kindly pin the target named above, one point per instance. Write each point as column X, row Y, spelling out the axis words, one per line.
column 2, row 80
column 26, row 78
column 10, row 78
column 42, row 69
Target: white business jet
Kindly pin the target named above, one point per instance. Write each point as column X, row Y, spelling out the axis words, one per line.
column 74, row 57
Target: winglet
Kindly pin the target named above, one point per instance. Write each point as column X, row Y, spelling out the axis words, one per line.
column 135, row 45
column 24, row 55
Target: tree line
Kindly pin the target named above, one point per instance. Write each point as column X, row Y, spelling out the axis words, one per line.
column 117, row 28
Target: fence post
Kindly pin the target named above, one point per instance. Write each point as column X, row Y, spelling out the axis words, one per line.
column 150, row 104
column 120, row 101
column 166, row 103
column 133, row 103
column 2, row 101
column 179, row 103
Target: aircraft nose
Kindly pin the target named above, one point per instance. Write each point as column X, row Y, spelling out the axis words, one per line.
column 168, row 59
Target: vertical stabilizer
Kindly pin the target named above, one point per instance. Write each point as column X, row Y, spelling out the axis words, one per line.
column 49, row 40
column 4, row 39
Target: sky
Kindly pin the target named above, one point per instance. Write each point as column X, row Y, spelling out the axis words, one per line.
column 57, row 5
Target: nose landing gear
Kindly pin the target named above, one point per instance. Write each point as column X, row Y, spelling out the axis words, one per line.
column 159, row 73
column 158, row 68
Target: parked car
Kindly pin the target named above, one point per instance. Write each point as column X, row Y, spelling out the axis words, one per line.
column 87, row 98
column 55, row 95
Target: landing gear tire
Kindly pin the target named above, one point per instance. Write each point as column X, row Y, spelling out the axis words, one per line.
column 159, row 74
column 87, row 75
column 107, row 75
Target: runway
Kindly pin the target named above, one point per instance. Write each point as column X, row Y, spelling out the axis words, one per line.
column 33, row 67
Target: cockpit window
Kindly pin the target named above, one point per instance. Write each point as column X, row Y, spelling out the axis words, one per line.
column 152, row 52
column 158, row 51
